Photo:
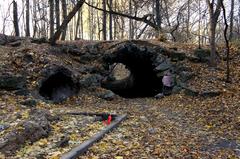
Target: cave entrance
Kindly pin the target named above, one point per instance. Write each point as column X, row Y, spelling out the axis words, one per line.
column 135, row 80
column 58, row 87
column 143, row 79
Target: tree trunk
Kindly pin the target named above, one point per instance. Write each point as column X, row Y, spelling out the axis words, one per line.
column 57, row 13
column 64, row 15
column 188, row 19
column 212, row 43
column 115, row 20
column 199, row 24
column 27, row 19
column 214, row 14
column 77, row 25
column 81, row 24
column 226, row 42
column 130, row 21
column 90, row 21
column 99, row 26
column 110, row 21
column 51, row 18
column 15, row 18
column 66, row 21
column 104, row 24
column 34, row 18
column 158, row 17
column 231, row 20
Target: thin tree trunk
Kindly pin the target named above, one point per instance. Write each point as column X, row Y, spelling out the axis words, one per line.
column 188, row 19
column 115, row 21
column 226, row 42
column 110, row 21
column 57, row 13
column 51, row 18
column 122, row 29
column 77, row 25
column 66, row 21
column 199, row 24
column 34, row 18
column 130, row 21
column 90, row 23
column 64, row 15
column 99, row 25
column 15, row 18
column 81, row 24
column 231, row 20
column 27, row 19
column 104, row 24
column 158, row 17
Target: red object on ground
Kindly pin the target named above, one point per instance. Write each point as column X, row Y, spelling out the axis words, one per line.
column 108, row 121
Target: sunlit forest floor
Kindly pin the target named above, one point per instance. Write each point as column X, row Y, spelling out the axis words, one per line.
column 176, row 126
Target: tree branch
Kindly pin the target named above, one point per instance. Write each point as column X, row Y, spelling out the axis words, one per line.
column 142, row 19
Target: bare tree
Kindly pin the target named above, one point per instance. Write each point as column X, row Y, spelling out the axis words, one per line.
column 64, row 15
column 214, row 13
column 27, row 18
column 35, row 21
column 199, row 23
column 231, row 20
column 226, row 42
column 57, row 13
column 77, row 25
column 104, row 23
column 188, row 19
column 65, row 22
column 158, row 17
column 131, row 33
column 51, row 18
column 15, row 18
column 110, row 20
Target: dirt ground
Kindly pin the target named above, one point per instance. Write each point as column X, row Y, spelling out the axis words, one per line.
column 176, row 126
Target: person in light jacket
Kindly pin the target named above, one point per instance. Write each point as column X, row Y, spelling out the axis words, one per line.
column 168, row 83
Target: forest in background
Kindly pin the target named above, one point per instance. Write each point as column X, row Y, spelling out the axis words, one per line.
column 179, row 21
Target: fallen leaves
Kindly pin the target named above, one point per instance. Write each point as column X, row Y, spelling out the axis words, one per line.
column 176, row 126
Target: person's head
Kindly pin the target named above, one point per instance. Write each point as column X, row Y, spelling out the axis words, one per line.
column 168, row 72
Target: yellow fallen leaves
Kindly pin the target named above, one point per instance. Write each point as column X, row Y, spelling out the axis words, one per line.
column 56, row 128
column 208, row 126
column 74, row 137
column 55, row 155
column 118, row 157
column 42, row 142
column 25, row 115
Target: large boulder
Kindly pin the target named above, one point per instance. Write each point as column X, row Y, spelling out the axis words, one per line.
column 12, row 82
column 91, row 80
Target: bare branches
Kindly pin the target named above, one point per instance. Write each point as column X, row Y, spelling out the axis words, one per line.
column 144, row 19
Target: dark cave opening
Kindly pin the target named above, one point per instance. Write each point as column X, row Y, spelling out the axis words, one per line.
column 58, row 87
column 142, row 81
